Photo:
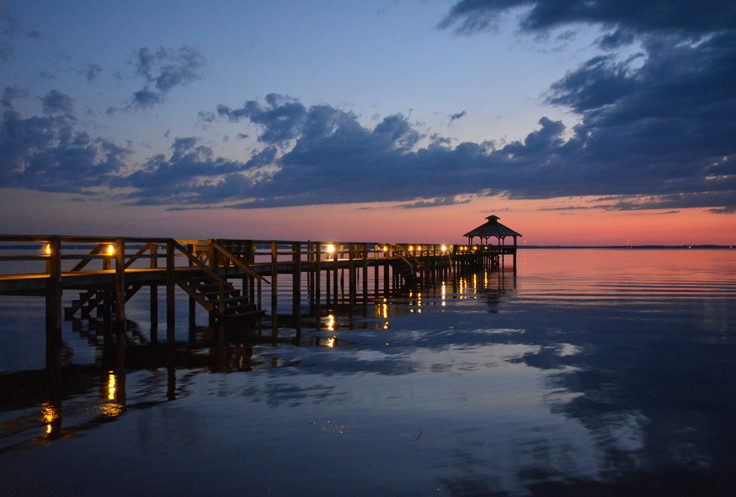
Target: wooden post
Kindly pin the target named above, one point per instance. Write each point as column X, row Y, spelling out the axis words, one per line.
column 53, row 310
column 364, row 247
column 317, row 280
column 170, row 293
column 328, row 290
column 310, row 276
column 336, row 265
column 274, row 291
column 192, row 303
column 351, row 274
column 376, row 254
column 296, row 283
column 120, row 285
column 386, row 281
column 153, row 295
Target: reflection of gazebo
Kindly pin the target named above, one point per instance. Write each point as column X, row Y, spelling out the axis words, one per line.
column 492, row 229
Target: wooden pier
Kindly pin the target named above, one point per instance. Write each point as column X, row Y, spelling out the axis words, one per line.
column 235, row 281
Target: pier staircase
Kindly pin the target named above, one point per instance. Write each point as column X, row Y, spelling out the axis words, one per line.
column 218, row 297
column 209, row 286
column 406, row 265
column 91, row 300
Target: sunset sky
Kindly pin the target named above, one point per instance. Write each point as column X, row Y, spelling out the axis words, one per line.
column 576, row 122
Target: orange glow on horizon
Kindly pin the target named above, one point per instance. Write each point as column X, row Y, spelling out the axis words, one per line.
column 557, row 221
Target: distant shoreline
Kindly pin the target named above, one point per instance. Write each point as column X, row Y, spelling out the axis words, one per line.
column 635, row 247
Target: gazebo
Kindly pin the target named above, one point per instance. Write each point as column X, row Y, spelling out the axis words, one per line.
column 492, row 229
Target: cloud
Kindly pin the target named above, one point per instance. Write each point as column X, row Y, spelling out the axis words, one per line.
column 49, row 154
column 678, row 17
column 92, row 71
column 725, row 199
column 457, row 115
column 11, row 94
column 437, row 202
column 657, row 122
column 55, row 102
column 192, row 174
column 282, row 117
column 10, row 29
column 163, row 70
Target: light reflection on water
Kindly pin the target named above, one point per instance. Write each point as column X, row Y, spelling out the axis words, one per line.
column 591, row 371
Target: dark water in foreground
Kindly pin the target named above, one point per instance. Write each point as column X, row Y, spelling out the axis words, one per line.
column 594, row 372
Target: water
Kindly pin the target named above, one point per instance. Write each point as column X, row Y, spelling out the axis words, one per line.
column 592, row 372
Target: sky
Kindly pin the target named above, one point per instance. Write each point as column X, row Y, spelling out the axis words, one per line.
column 580, row 122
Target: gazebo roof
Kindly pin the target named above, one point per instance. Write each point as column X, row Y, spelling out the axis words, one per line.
column 492, row 228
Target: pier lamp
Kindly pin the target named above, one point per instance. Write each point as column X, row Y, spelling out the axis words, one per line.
column 443, row 248
column 330, row 249
column 411, row 248
column 46, row 250
column 110, row 250
column 419, row 248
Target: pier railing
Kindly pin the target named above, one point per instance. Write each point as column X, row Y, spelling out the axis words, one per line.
column 24, row 256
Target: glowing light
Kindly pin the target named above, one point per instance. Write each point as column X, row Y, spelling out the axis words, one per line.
column 385, row 325
column 111, row 385
column 443, row 248
column 46, row 249
column 330, row 248
column 330, row 323
column 444, row 294
column 411, row 248
column 49, row 414
column 330, row 342
column 419, row 247
column 111, row 409
column 384, row 310
column 110, row 250
column 385, row 248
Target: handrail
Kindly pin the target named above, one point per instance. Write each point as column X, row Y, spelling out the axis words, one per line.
column 138, row 254
column 87, row 260
column 397, row 249
column 196, row 261
column 238, row 262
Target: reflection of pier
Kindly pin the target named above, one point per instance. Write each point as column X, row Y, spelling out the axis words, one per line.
column 133, row 347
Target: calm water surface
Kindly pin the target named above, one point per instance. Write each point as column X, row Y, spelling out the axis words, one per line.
column 592, row 372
